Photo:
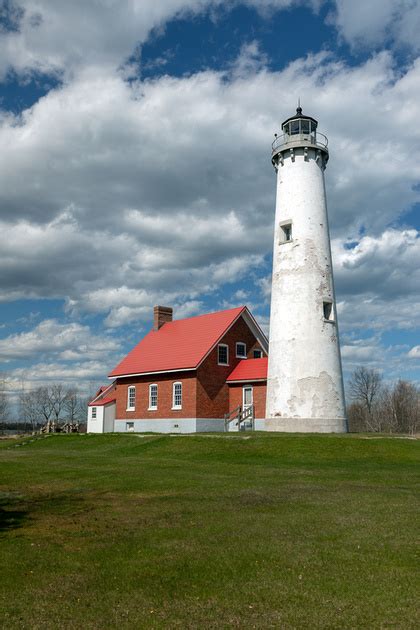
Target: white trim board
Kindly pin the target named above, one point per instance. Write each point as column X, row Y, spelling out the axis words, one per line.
column 248, row 380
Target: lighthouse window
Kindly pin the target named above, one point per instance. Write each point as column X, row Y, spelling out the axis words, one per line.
column 294, row 127
column 328, row 311
column 305, row 126
column 285, row 233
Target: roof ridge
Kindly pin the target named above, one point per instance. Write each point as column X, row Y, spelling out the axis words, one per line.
column 225, row 310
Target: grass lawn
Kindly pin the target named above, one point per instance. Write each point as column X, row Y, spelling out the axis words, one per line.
column 270, row 531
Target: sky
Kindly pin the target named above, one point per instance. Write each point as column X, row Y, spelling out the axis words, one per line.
column 135, row 170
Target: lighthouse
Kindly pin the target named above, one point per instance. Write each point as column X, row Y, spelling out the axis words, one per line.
column 305, row 383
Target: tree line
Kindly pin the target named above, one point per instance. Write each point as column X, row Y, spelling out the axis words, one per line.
column 379, row 407
column 375, row 406
column 52, row 407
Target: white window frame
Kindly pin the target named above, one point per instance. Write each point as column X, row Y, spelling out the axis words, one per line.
column 130, row 388
column 174, row 405
column 223, row 345
column 153, row 407
column 94, row 414
column 240, row 356
column 129, row 427
column 258, row 350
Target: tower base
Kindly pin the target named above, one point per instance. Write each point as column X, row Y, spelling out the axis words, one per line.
column 306, row 425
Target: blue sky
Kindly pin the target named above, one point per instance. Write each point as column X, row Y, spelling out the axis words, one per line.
column 135, row 170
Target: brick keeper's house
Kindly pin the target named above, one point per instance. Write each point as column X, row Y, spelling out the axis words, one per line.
column 204, row 373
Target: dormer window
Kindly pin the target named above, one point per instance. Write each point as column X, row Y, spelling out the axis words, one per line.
column 240, row 350
column 223, row 354
column 258, row 354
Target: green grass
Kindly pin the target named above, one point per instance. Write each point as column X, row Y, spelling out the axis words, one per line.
column 272, row 531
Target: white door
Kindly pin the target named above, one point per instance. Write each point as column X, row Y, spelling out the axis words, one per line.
column 247, row 397
column 247, row 402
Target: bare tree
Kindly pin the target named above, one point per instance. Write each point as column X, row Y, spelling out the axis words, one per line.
column 385, row 409
column 28, row 410
column 74, row 408
column 405, row 405
column 365, row 386
column 4, row 406
column 58, row 397
column 43, row 404
column 4, row 401
column 356, row 415
column 52, row 406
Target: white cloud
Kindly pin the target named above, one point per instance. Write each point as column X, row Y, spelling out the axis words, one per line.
column 359, row 353
column 54, row 35
column 365, row 22
column 86, row 375
column 241, row 294
column 117, row 196
column 373, row 23
column 70, row 341
column 387, row 265
column 389, row 359
column 250, row 60
column 379, row 281
column 264, row 285
column 61, row 37
column 414, row 353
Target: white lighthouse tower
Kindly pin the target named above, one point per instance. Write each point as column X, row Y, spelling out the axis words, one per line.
column 305, row 382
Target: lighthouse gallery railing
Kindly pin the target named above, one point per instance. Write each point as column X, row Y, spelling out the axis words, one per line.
column 314, row 139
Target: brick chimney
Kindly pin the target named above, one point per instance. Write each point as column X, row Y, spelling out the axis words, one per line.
column 161, row 315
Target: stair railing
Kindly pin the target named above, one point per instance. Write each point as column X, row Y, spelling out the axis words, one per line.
column 232, row 415
column 240, row 415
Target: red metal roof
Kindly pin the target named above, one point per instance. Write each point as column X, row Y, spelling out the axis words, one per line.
column 100, row 394
column 249, row 370
column 178, row 345
column 100, row 403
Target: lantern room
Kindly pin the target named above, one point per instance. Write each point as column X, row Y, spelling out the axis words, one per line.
column 300, row 125
column 299, row 131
